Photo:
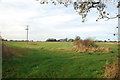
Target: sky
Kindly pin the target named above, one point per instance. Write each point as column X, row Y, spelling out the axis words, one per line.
column 52, row 21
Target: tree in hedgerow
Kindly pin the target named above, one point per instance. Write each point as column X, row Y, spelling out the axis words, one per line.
column 77, row 38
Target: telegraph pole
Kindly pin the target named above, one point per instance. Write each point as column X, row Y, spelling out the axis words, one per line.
column 27, row 32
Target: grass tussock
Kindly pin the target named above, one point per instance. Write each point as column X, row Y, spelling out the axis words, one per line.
column 113, row 70
column 89, row 46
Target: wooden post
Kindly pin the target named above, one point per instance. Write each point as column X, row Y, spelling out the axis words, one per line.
column 0, row 56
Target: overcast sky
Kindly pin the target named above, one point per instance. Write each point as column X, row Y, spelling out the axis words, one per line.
column 50, row 21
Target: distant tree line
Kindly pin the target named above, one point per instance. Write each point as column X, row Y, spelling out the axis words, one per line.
column 16, row 40
column 4, row 40
column 72, row 40
column 60, row 40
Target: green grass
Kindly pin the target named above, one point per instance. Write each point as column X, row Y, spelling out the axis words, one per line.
column 55, row 60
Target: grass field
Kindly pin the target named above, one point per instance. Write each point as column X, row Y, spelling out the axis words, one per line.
column 55, row 60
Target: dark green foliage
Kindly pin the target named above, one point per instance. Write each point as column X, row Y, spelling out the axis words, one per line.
column 51, row 40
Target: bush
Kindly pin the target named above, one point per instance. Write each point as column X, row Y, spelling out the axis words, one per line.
column 89, row 46
column 77, row 38
column 87, row 43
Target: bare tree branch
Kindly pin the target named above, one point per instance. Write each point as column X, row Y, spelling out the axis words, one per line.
column 84, row 7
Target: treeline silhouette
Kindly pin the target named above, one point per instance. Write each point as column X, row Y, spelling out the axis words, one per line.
column 57, row 40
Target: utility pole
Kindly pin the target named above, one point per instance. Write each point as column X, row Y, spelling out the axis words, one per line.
column 27, row 33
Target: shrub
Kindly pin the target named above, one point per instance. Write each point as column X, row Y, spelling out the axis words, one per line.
column 88, row 45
